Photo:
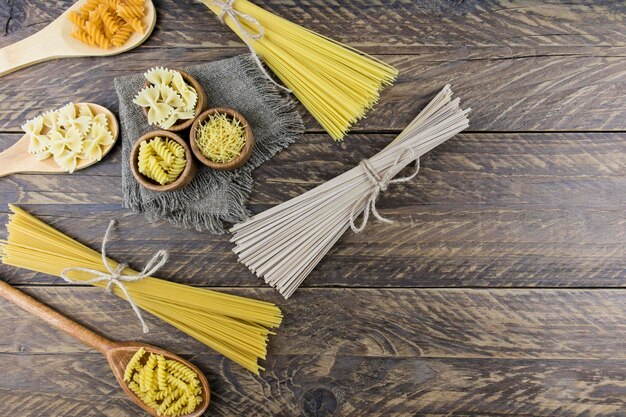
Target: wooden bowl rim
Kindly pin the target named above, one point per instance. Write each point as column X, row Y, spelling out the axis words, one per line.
column 246, row 152
column 184, row 178
column 200, row 102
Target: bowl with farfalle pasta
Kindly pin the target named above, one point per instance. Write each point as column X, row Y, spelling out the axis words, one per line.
column 171, row 99
column 162, row 161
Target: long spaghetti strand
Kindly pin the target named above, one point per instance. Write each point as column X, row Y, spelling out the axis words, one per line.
column 237, row 327
column 336, row 83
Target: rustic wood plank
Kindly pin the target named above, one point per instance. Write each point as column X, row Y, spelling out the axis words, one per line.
column 517, row 94
column 382, row 27
column 436, row 323
column 443, row 352
column 547, row 66
column 322, row 385
column 486, row 210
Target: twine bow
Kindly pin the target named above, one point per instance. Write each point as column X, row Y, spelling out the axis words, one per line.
column 227, row 9
column 115, row 276
column 378, row 185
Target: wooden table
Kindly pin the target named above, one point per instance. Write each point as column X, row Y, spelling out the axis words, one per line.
column 497, row 291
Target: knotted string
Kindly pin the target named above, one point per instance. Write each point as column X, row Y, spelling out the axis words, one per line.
column 115, row 276
column 378, row 185
column 227, row 9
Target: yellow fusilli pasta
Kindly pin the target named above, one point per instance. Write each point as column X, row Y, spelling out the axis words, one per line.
column 171, row 397
column 162, row 150
column 175, row 148
column 157, row 161
column 134, row 361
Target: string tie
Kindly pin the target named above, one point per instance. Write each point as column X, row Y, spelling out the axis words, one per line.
column 378, row 184
column 115, row 275
column 227, row 9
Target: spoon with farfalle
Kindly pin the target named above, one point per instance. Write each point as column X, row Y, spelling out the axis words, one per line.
column 158, row 381
column 70, row 138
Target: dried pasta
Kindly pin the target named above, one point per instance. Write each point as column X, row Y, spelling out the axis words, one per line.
column 158, row 160
column 69, row 134
column 167, row 386
column 220, row 138
column 237, row 327
column 107, row 23
column 336, row 83
column 168, row 98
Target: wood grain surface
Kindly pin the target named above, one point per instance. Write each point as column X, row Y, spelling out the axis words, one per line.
column 520, row 67
column 487, row 210
column 432, row 352
column 499, row 289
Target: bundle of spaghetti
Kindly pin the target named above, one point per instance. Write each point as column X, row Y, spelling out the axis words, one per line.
column 284, row 244
column 236, row 327
column 335, row 82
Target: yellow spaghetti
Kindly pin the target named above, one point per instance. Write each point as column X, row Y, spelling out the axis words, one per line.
column 236, row 327
column 335, row 82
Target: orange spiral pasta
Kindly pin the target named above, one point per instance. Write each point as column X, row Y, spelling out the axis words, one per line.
column 112, row 4
column 88, row 7
column 129, row 10
column 77, row 19
column 106, row 23
column 97, row 35
column 136, row 24
column 110, row 23
column 84, row 37
column 122, row 35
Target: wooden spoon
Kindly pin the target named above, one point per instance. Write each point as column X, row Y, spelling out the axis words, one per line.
column 117, row 353
column 17, row 159
column 54, row 41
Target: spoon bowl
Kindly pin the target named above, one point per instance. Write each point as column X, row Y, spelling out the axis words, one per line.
column 17, row 159
column 55, row 41
column 118, row 354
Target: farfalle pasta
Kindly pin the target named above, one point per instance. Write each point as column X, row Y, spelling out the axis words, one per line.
column 107, row 23
column 69, row 134
column 168, row 98
column 167, row 386
column 161, row 160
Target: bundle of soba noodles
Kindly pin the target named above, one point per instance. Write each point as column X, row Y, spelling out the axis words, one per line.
column 285, row 243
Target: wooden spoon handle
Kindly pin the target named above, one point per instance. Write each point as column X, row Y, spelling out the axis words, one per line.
column 11, row 159
column 39, row 47
column 55, row 319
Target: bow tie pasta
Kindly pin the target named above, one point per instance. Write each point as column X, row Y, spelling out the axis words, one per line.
column 68, row 135
column 168, row 99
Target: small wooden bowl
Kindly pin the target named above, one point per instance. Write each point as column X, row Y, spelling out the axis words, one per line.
column 246, row 152
column 185, row 177
column 201, row 103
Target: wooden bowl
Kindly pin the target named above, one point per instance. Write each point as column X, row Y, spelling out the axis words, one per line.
column 201, row 103
column 185, row 177
column 246, row 152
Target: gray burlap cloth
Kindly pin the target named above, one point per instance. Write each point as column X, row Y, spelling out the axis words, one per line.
column 213, row 197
